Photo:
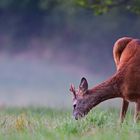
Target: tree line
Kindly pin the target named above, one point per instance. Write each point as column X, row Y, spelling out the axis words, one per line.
column 97, row 6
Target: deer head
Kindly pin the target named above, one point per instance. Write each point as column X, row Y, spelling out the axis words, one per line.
column 85, row 99
column 80, row 103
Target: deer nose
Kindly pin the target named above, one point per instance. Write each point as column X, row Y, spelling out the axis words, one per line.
column 75, row 114
column 76, row 118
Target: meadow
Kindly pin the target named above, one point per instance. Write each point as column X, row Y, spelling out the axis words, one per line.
column 41, row 123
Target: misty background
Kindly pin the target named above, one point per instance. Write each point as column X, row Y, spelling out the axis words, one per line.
column 44, row 47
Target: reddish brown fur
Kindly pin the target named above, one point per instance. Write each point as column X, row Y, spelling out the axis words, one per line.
column 127, row 56
column 124, row 83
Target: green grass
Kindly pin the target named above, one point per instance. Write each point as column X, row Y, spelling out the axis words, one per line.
column 52, row 124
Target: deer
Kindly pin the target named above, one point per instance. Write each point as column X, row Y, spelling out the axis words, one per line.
column 124, row 83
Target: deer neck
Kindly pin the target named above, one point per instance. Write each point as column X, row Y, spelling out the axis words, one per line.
column 106, row 90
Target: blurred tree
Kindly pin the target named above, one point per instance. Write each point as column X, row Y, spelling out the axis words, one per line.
column 104, row 6
column 98, row 6
column 71, row 20
column 42, row 5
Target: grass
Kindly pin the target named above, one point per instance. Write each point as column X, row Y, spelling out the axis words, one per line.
column 51, row 124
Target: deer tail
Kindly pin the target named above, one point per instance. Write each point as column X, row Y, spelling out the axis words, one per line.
column 119, row 46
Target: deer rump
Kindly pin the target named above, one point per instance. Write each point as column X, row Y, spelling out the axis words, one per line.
column 126, row 54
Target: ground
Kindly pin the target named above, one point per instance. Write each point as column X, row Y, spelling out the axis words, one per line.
column 41, row 123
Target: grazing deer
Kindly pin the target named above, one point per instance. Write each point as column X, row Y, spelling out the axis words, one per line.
column 125, row 83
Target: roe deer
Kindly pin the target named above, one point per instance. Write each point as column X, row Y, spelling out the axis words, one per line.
column 125, row 83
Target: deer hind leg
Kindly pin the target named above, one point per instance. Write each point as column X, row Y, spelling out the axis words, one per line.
column 137, row 112
column 123, row 111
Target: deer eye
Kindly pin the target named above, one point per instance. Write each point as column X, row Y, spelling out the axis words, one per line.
column 74, row 106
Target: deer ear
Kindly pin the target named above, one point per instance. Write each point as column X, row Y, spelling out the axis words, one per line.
column 72, row 90
column 83, row 85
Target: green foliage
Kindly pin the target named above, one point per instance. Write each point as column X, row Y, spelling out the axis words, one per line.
column 52, row 124
column 135, row 7
column 104, row 6
column 97, row 6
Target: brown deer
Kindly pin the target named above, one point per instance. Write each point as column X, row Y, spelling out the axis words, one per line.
column 125, row 83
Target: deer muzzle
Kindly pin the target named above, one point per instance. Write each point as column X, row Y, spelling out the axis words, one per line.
column 79, row 115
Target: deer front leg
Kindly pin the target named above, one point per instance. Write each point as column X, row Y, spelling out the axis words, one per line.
column 123, row 110
column 137, row 112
